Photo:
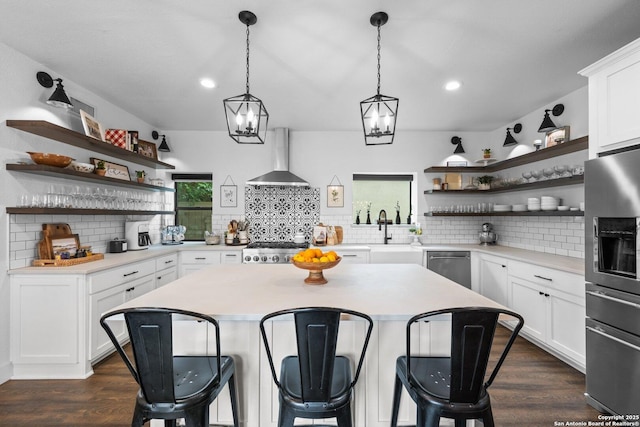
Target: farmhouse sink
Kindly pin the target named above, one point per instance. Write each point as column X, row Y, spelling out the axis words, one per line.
column 395, row 254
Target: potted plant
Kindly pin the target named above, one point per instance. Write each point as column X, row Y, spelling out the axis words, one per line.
column 140, row 176
column 484, row 182
column 100, row 168
column 486, row 153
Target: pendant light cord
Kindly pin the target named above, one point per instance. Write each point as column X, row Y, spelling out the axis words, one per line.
column 248, row 61
column 378, row 57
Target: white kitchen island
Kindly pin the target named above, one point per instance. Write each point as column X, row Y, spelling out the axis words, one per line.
column 239, row 295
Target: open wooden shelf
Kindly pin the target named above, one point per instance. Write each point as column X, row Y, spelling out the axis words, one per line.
column 559, row 182
column 572, row 146
column 68, row 136
column 538, row 213
column 77, row 211
column 53, row 171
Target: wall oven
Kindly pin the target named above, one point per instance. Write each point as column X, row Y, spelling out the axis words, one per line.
column 612, row 262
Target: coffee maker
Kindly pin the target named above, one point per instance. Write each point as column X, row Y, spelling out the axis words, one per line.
column 487, row 236
column 137, row 235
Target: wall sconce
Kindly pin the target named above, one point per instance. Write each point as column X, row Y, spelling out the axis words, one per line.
column 537, row 143
column 58, row 98
column 510, row 140
column 163, row 145
column 547, row 124
column 457, row 141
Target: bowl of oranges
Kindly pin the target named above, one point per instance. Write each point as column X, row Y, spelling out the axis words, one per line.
column 314, row 260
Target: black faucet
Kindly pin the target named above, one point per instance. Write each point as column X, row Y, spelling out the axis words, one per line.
column 380, row 215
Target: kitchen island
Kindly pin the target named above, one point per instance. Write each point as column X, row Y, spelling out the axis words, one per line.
column 239, row 295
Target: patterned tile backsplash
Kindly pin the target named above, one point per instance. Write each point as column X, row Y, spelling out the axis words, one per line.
column 278, row 213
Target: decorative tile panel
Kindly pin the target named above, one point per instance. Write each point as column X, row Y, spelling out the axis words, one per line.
column 278, row 213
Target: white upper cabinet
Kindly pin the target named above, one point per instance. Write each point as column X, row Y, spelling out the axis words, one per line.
column 614, row 100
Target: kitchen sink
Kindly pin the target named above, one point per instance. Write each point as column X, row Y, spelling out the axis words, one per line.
column 395, row 254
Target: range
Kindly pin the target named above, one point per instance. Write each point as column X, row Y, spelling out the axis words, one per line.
column 271, row 252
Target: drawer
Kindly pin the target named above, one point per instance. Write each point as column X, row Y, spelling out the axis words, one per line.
column 560, row 280
column 166, row 261
column 119, row 275
column 231, row 257
column 200, row 257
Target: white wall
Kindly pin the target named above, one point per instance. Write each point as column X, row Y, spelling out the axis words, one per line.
column 23, row 98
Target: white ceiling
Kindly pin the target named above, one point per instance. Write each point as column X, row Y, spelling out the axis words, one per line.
column 312, row 62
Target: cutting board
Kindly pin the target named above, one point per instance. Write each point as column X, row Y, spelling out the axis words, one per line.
column 51, row 231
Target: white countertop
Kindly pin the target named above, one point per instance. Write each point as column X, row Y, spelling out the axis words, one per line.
column 563, row 263
column 248, row 292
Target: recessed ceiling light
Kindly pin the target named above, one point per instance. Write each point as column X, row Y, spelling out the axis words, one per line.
column 452, row 85
column 208, row 83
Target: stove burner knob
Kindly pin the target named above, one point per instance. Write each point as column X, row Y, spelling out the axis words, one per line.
column 247, row 258
column 256, row 258
column 276, row 258
column 264, row 258
column 287, row 258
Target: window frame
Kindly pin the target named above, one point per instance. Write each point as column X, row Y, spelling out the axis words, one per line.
column 191, row 177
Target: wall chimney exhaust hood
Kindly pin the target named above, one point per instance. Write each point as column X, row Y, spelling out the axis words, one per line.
column 280, row 175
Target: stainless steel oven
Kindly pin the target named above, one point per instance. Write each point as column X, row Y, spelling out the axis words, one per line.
column 612, row 251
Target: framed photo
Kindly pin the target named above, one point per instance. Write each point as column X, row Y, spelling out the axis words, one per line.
column 114, row 170
column 557, row 136
column 228, row 196
column 335, row 196
column 147, row 149
column 91, row 126
column 67, row 243
column 458, row 163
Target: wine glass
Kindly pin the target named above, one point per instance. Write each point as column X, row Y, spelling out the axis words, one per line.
column 548, row 173
column 536, row 175
column 560, row 170
column 526, row 175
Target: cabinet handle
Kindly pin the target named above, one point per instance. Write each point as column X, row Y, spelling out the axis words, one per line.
column 543, row 278
column 618, row 340
column 603, row 295
column 168, row 262
column 130, row 289
column 129, row 274
column 543, row 293
column 349, row 255
column 231, row 255
column 159, row 277
column 201, row 258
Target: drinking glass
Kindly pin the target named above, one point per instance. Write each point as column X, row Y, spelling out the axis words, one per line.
column 548, row 173
column 536, row 175
column 526, row 176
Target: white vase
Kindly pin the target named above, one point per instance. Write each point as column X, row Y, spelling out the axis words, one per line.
column 243, row 236
column 484, row 186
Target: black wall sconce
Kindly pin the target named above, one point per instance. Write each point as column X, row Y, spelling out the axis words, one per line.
column 509, row 139
column 457, row 141
column 163, row 144
column 547, row 124
column 58, row 98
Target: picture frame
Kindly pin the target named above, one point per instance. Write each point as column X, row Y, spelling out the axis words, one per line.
column 335, row 196
column 457, row 164
column 91, row 126
column 557, row 136
column 114, row 170
column 228, row 196
column 147, row 149
column 64, row 243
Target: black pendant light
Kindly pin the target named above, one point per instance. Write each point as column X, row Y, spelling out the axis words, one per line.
column 246, row 115
column 58, row 98
column 163, row 145
column 457, row 141
column 510, row 140
column 379, row 113
column 547, row 124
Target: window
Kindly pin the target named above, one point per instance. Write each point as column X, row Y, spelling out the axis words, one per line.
column 395, row 193
column 194, row 201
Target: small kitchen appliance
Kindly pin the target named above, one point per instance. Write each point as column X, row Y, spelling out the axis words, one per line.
column 487, row 235
column 117, row 246
column 137, row 235
column 271, row 252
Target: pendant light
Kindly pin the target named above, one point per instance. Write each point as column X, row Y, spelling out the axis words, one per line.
column 547, row 124
column 379, row 113
column 59, row 97
column 510, row 140
column 246, row 115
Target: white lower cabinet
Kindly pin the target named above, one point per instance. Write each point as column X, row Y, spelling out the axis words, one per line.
column 231, row 257
column 191, row 261
column 493, row 278
column 553, row 306
column 354, row 256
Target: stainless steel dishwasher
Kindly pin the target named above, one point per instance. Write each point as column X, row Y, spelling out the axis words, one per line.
column 454, row 265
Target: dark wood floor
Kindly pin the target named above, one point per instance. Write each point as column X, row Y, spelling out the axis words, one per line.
column 532, row 389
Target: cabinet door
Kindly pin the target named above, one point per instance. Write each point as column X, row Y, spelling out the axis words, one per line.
column 528, row 299
column 101, row 303
column 354, row 257
column 166, row 276
column 140, row 287
column 494, row 279
column 231, row 257
column 567, row 325
column 191, row 261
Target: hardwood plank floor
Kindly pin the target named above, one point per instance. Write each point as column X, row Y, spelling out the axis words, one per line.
column 532, row 389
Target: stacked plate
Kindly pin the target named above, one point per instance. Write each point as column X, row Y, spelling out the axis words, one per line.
column 533, row 204
column 502, row 208
column 520, row 208
column 549, row 203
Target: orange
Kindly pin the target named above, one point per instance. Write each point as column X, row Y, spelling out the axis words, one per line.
column 324, row 259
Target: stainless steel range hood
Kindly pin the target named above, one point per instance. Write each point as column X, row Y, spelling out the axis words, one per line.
column 280, row 175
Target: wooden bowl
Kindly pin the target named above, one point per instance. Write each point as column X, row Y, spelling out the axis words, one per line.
column 49, row 159
column 315, row 270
